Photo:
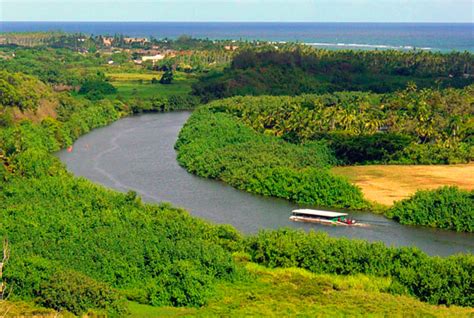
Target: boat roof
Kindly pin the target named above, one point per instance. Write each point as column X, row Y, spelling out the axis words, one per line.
column 329, row 214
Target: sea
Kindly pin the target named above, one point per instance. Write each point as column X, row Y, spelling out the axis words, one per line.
column 442, row 37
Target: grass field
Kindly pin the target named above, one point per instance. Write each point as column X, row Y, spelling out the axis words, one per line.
column 385, row 184
column 23, row 309
column 138, row 85
column 299, row 293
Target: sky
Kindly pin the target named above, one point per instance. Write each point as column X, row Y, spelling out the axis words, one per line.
column 239, row 10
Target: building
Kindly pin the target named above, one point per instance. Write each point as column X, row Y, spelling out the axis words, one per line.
column 153, row 58
column 107, row 40
column 231, row 47
column 135, row 40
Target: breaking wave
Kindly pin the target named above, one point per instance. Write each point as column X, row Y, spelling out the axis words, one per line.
column 368, row 46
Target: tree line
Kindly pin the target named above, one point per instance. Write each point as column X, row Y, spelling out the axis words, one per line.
column 416, row 126
column 295, row 70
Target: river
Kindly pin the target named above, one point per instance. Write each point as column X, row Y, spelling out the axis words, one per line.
column 136, row 153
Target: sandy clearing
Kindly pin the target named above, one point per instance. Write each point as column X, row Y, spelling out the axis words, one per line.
column 388, row 183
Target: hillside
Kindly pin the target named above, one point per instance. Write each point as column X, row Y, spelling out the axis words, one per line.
column 78, row 248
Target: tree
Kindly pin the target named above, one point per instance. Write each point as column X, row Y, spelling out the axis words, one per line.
column 167, row 77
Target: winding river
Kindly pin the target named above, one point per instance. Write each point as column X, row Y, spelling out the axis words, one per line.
column 137, row 153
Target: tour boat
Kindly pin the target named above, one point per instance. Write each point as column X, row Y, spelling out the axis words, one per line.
column 323, row 217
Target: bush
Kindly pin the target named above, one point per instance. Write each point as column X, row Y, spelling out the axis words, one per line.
column 78, row 293
column 183, row 285
column 448, row 208
column 94, row 89
column 37, row 163
column 167, row 77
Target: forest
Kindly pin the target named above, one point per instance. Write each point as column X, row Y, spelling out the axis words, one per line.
column 77, row 247
column 295, row 70
column 419, row 126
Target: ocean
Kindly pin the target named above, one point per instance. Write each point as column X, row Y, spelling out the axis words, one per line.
column 443, row 37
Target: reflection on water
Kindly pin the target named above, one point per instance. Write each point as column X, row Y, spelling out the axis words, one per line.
column 137, row 154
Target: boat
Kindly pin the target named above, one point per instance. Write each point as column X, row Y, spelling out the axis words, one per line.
column 323, row 217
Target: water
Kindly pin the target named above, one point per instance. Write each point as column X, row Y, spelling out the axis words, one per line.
column 136, row 153
column 429, row 36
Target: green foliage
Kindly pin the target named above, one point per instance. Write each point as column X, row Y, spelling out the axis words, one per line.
column 167, row 77
column 78, row 246
column 54, row 221
column 52, row 66
column 216, row 145
column 411, row 126
column 294, row 292
column 21, row 91
column 36, row 163
column 95, row 89
column 77, row 293
column 447, row 208
column 164, row 104
column 379, row 147
column 432, row 279
column 296, row 70
column 130, row 245
column 184, row 285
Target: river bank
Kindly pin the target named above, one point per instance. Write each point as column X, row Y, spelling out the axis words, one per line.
column 136, row 153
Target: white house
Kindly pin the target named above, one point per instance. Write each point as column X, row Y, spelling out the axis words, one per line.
column 153, row 58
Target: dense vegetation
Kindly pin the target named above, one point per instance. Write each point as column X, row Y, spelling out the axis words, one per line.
column 411, row 126
column 432, row 279
column 55, row 66
column 294, row 292
column 78, row 247
column 285, row 292
column 423, row 126
column 61, row 228
column 96, row 88
column 302, row 70
column 21, row 91
column 215, row 145
column 446, row 208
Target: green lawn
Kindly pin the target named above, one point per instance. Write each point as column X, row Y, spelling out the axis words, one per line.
column 138, row 85
column 296, row 292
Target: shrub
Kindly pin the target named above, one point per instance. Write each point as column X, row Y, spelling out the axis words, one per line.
column 37, row 163
column 447, row 208
column 95, row 88
column 167, row 77
column 183, row 285
column 78, row 293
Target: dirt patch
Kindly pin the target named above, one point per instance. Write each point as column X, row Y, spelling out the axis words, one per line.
column 385, row 184
column 46, row 108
